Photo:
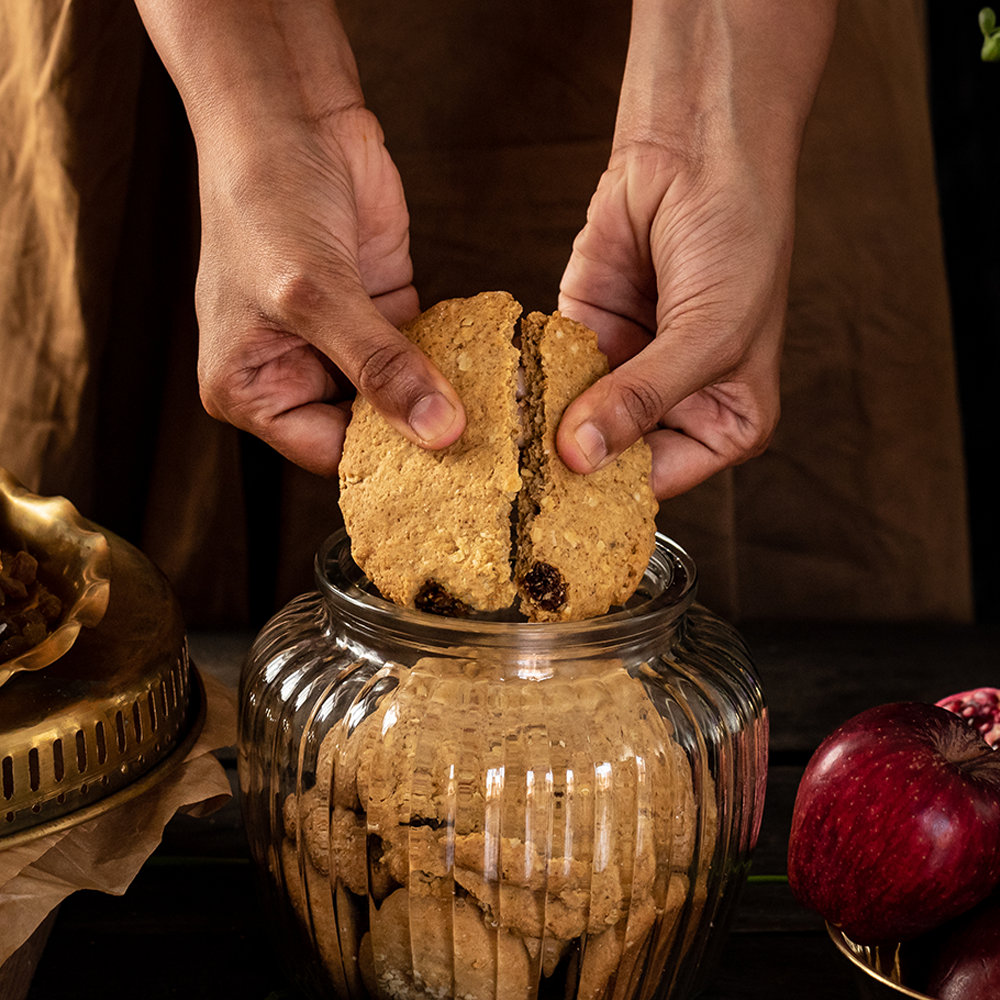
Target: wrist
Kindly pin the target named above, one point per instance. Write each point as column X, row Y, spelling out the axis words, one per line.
column 724, row 78
column 254, row 66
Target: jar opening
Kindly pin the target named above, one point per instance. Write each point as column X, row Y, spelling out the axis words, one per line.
column 665, row 593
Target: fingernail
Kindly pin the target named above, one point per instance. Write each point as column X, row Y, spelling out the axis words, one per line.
column 591, row 442
column 431, row 417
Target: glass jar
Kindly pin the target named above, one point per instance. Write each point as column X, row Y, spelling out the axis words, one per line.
column 485, row 808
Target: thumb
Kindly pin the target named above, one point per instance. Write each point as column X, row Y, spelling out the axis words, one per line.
column 698, row 417
column 618, row 409
column 397, row 378
column 284, row 386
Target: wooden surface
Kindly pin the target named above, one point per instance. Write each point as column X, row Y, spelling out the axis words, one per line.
column 190, row 925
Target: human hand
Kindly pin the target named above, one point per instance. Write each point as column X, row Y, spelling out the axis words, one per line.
column 305, row 273
column 682, row 267
column 305, row 269
column 684, row 277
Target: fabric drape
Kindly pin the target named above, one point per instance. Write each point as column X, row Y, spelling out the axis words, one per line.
column 499, row 120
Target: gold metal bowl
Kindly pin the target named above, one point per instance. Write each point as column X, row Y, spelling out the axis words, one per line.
column 879, row 971
column 73, row 561
column 118, row 706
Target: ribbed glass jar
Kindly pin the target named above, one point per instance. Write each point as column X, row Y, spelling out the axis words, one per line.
column 481, row 808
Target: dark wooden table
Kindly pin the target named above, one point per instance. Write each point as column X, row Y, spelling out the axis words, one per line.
column 190, row 925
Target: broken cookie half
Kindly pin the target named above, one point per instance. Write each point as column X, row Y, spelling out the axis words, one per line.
column 432, row 529
column 583, row 542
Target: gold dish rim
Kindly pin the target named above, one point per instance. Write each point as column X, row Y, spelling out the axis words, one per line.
column 845, row 945
column 56, row 516
column 132, row 790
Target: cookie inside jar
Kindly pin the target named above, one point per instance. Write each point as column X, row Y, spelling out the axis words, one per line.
column 482, row 837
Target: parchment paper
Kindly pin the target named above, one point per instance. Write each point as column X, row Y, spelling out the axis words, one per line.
column 107, row 852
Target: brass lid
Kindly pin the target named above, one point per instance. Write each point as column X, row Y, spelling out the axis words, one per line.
column 109, row 716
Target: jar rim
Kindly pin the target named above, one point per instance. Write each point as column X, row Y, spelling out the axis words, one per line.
column 665, row 593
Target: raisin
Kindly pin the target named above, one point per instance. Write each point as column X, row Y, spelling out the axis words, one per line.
column 49, row 605
column 435, row 600
column 13, row 589
column 545, row 587
column 24, row 567
column 431, row 822
column 29, row 608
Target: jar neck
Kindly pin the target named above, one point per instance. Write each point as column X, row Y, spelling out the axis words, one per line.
column 653, row 618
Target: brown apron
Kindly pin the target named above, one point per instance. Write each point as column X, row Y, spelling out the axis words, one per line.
column 499, row 120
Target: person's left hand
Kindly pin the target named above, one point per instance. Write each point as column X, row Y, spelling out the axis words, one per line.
column 683, row 274
column 682, row 267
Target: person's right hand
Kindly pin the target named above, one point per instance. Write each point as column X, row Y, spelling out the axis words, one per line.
column 305, row 270
column 684, row 278
column 305, row 274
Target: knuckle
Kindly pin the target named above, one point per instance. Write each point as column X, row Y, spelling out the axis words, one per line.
column 212, row 387
column 642, row 403
column 295, row 297
column 304, row 286
column 211, row 405
column 765, row 435
column 383, row 369
column 753, row 435
column 230, row 388
column 223, row 395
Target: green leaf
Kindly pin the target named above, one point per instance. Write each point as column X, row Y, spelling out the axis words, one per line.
column 991, row 35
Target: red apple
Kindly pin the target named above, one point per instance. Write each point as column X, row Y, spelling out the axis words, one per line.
column 966, row 965
column 980, row 708
column 896, row 826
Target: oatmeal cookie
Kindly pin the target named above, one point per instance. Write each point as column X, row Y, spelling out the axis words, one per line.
column 427, row 793
column 424, row 806
column 421, row 949
column 432, row 528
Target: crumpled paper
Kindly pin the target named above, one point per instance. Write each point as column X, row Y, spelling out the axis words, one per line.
column 107, row 852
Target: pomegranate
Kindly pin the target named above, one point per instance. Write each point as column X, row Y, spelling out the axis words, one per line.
column 980, row 708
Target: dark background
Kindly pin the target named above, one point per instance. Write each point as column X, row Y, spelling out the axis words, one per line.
column 965, row 108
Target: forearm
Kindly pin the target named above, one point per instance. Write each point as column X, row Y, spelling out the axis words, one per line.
column 702, row 77
column 253, row 64
column 683, row 264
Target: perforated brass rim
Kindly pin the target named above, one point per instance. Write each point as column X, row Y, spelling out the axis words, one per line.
column 98, row 722
column 163, row 766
